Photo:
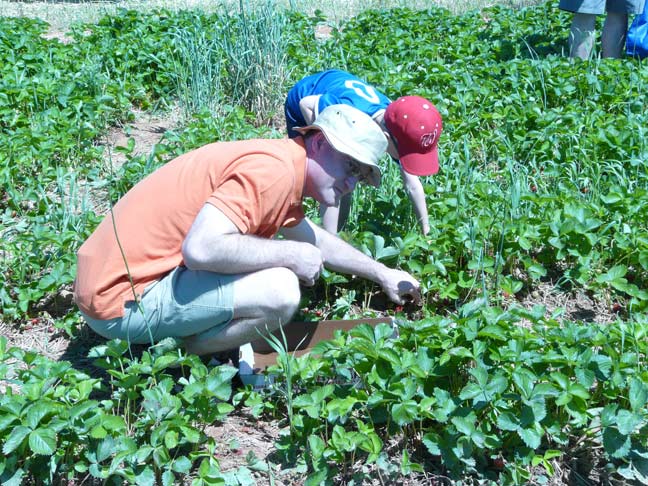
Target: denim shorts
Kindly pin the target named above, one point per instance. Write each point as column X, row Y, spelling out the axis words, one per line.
column 183, row 303
column 602, row 6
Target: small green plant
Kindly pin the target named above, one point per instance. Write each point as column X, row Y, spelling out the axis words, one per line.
column 197, row 69
column 253, row 41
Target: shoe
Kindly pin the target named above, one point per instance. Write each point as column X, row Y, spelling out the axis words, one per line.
column 229, row 357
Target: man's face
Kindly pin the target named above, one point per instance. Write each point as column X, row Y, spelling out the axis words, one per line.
column 331, row 174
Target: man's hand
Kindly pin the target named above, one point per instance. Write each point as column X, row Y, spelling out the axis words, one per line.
column 401, row 287
column 308, row 264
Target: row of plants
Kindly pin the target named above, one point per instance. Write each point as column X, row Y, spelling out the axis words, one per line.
column 138, row 423
column 490, row 393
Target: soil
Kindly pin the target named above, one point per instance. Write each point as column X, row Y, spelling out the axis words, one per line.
column 146, row 130
column 577, row 306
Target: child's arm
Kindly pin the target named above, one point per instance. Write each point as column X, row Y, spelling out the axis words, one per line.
column 308, row 108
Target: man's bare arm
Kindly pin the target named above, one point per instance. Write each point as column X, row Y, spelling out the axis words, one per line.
column 214, row 243
column 339, row 256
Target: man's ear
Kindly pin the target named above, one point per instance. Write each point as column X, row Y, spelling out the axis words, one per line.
column 317, row 141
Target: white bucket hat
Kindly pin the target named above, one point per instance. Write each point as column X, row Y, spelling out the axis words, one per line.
column 354, row 133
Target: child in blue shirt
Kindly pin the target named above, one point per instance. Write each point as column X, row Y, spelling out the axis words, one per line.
column 411, row 124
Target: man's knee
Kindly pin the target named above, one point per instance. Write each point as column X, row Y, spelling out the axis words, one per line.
column 269, row 291
column 286, row 294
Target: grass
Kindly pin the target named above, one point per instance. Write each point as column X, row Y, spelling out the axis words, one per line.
column 196, row 72
column 61, row 14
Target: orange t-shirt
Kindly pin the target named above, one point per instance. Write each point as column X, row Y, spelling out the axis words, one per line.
column 258, row 184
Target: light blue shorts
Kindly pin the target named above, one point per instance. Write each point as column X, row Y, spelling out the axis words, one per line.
column 181, row 304
column 601, row 6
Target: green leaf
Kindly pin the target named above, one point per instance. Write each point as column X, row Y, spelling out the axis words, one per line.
column 316, row 446
column 446, row 405
column 343, row 440
column 615, row 443
column 98, row 432
column 383, row 331
column 168, row 478
column 614, row 275
column 15, row 438
column 585, row 377
column 545, row 389
column 508, row 421
column 105, row 449
column 317, row 477
column 524, row 379
column 219, row 381
column 405, row 413
column 564, row 399
column 16, row 479
column 432, row 443
column 181, row 465
column 37, row 411
column 608, row 415
column 638, row 394
column 190, row 434
column 471, row 308
column 539, row 408
column 340, row 407
column 7, row 420
column 171, row 439
column 42, row 441
column 602, row 366
column 464, row 425
column 146, row 477
column 531, row 437
column 471, row 390
column 628, row 421
column 494, row 332
column 561, row 379
column 363, row 331
column 256, row 463
column 579, row 390
column 113, row 422
column 407, row 467
column 163, row 362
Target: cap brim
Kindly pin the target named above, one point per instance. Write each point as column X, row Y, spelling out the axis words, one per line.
column 306, row 129
column 421, row 164
column 375, row 176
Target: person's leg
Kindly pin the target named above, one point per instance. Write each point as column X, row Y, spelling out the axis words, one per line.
column 581, row 35
column 613, row 37
column 263, row 301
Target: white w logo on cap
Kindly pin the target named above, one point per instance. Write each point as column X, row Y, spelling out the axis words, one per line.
column 427, row 139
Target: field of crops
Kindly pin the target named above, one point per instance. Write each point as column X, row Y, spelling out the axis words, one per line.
column 526, row 363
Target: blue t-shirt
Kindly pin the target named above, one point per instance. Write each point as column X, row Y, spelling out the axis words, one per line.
column 334, row 87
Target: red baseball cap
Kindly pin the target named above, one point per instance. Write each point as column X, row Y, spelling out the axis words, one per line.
column 416, row 125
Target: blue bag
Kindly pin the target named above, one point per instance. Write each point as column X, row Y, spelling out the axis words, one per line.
column 637, row 38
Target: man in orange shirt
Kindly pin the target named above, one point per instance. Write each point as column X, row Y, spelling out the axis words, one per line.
column 189, row 251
